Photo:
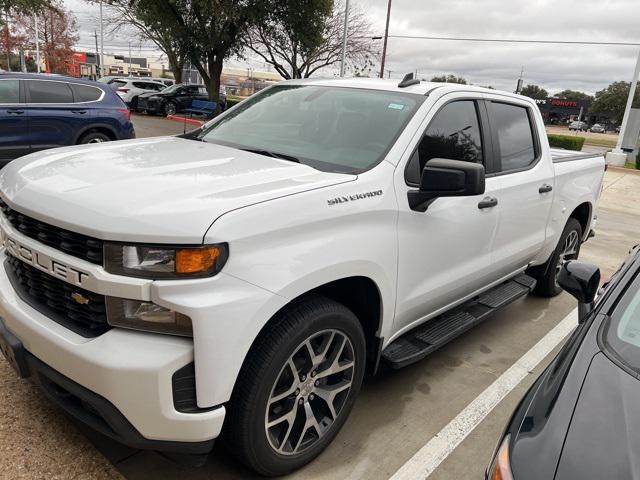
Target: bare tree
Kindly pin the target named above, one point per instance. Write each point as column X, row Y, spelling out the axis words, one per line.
column 122, row 14
column 298, row 49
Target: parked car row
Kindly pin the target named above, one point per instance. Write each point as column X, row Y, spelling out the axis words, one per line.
column 579, row 126
column 45, row 111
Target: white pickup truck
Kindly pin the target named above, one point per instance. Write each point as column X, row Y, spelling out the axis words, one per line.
column 248, row 275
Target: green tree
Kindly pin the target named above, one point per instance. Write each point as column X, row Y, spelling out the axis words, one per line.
column 535, row 92
column 450, row 78
column 24, row 6
column 574, row 95
column 210, row 30
column 612, row 100
column 124, row 13
column 299, row 38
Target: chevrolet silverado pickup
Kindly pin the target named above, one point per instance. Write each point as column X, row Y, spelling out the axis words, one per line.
column 243, row 278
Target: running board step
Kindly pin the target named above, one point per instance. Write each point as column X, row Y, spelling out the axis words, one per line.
column 427, row 338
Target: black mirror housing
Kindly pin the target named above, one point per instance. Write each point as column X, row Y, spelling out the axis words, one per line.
column 442, row 177
column 582, row 281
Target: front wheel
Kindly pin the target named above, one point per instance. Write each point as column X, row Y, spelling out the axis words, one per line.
column 568, row 248
column 297, row 386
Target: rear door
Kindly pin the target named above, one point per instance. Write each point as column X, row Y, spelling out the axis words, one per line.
column 526, row 183
column 14, row 130
column 54, row 120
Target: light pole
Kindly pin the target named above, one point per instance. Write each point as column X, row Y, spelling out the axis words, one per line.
column 386, row 38
column 618, row 156
column 101, row 43
column 35, row 19
column 344, row 38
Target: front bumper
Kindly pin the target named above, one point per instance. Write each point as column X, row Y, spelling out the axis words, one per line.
column 130, row 371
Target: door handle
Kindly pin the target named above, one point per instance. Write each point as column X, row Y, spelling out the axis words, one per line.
column 81, row 112
column 15, row 112
column 488, row 202
column 545, row 188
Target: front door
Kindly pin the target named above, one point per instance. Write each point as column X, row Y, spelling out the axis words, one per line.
column 14, row 136
column 445, row 252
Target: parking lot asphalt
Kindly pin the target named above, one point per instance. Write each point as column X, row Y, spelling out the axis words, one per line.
column 154, row 126
column 397, row 413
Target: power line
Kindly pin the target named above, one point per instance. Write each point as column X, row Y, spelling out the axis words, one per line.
column 510, row 40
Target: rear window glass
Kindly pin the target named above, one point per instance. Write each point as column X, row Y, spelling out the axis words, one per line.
column 515, row 137
column 43, row 91
column 85, row 93
column 9, row 91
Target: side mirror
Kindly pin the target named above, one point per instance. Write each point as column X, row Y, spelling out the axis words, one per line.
column 446, row 178
column 581, row 280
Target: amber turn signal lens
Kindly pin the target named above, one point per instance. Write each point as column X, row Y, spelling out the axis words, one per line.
column 501, row 468
column 195, row 260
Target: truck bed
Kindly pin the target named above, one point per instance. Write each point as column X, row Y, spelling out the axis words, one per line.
column 560, row 155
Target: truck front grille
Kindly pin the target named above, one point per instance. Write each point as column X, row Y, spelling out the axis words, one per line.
column 76, row 244
column 54, row 298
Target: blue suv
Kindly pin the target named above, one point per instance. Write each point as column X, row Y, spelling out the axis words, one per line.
column 46, row 111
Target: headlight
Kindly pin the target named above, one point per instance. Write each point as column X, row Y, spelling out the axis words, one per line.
column 146, row 316
column 164, row 262
column 501, row 468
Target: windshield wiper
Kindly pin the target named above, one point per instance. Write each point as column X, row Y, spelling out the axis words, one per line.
column 267, row 153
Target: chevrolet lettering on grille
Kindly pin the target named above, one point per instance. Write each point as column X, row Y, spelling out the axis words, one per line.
column 41, row 261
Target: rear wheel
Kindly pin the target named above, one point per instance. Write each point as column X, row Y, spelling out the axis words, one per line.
column 169, row 108
column 94, row 137
column 568, row 248
column 133, row 105
column 297, row 387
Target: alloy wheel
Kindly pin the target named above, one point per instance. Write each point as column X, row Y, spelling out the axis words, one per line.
column 569, row 251
column 310, row 392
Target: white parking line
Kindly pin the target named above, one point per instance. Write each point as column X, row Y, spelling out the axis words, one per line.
column 427, row 459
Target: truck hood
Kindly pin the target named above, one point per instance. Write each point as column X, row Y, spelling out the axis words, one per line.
column 156, row 190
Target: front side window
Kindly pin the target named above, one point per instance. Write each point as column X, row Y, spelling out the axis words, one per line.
column 9, row 91
column 454, row 134
column 623, row 328
column 515, row 135
column 49, row 92
column 333, row 129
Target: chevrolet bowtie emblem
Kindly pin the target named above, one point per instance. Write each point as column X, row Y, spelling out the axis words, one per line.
column 79, row 298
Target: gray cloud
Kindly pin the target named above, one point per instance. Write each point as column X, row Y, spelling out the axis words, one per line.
column 555, row 67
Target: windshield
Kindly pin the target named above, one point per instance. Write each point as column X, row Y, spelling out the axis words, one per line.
column 172, row 88
column 623, row 331
column 332, row 129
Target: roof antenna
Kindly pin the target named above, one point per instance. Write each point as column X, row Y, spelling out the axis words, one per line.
column 408, row 80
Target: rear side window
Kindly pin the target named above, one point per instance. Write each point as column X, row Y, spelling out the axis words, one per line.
column 454, row 133
column 515, row 135
column 117, row 84
column 49, row 92
column 85, row 93
column 9, row 91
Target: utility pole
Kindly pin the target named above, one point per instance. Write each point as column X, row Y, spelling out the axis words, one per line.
column 35, row 19
column 98, row 61
column 386, row 38
column 6, row 31
column 101, row 41
column 130, row 58
column 618, row 157
column 344, row 38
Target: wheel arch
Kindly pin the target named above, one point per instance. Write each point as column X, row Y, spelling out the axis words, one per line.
column 361, row 295
column 98, row 127
column 583, row 213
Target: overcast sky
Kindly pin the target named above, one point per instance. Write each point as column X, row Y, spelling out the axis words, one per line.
column 555, row 67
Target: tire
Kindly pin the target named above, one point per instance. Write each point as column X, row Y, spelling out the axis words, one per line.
column 546, row 275
column 133, row 105
column 94, row 137
column 267, row 374
column 169, row 108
